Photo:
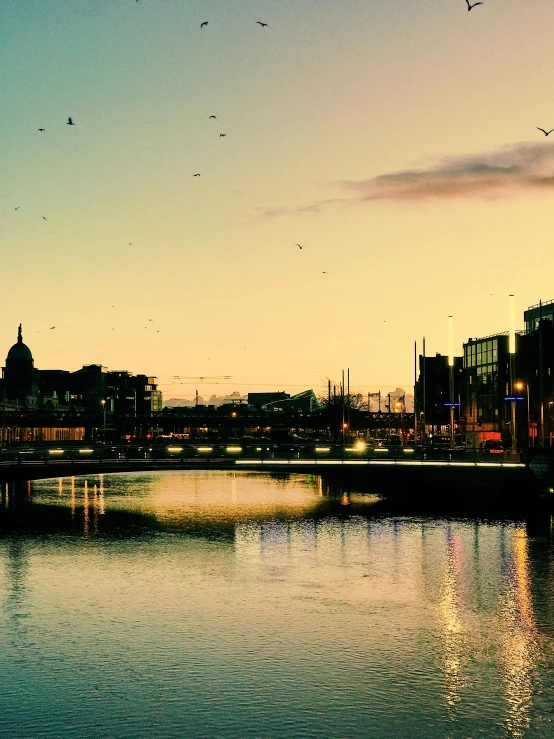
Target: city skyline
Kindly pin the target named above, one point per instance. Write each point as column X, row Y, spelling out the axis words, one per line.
column 324, row 111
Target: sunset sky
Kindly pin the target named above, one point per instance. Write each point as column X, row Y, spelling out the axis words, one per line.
column 395, row 141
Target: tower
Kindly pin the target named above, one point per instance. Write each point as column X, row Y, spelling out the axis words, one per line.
column 19, row 374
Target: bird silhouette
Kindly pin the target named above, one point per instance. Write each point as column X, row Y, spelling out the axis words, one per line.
column 41, row 129
column 17, row 208
column 203, row 24
column 70, row 122
column 469, row 7
column 51, row 327
column 130, row 244
column 221, row 135
column 213, row 116
column 44, row 218
column 545, row 132
column 299, row 246
column 196, row 175
column 324, row 273
column 263, row 25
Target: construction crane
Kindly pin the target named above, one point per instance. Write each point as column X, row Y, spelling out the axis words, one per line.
column 201, row 377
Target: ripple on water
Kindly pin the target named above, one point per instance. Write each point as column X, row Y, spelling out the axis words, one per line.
column 240, row 606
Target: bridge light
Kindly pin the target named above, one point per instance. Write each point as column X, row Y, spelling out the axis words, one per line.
column 233, row 449
column 86, row 451
column 322, row 449
column 204, row 448
column 360, row 446
column 175, row 449
column 55, row 451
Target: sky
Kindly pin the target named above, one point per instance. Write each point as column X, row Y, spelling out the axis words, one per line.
column 395, row 141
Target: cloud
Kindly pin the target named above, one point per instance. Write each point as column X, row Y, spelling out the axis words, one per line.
column 521, row 167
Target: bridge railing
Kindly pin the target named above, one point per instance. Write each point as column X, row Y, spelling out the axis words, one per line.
column 173, row 455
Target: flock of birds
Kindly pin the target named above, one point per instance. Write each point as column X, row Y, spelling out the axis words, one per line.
column 262, row 24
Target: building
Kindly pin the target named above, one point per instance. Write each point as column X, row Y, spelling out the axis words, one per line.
column 433, row 393
column 535, row 313
column 40, row 397
column 128, row 394
column 20, row 379
column 260, row 400
column 305, row 401
column 492, row 376
column 486, row 384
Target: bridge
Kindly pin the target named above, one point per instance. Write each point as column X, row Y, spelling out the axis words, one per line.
column 395, row 470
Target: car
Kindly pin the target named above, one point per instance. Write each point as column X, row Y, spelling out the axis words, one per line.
column 493, row 446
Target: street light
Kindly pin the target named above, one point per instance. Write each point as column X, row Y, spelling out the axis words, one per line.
column 512, row 353
column 103, row 404
column 520, row 386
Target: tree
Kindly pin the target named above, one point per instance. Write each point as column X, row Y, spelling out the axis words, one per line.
column 354, row 401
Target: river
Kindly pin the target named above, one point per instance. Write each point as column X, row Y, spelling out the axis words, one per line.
column 240, row 605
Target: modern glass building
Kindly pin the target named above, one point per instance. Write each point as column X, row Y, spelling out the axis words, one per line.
column 486, row 384
column 533, row 315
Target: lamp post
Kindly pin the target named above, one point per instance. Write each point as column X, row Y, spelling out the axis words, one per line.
column 519, row 386
column 512, row 352
column 103, row 404
column 451, row 377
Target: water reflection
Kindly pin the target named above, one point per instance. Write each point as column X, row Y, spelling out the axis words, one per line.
column 302, row 607
column 520, row 652
column 452, row 643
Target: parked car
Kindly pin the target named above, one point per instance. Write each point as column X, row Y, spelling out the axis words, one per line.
column 493, row 446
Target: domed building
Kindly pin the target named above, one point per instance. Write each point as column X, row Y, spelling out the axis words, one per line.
column 21, row 379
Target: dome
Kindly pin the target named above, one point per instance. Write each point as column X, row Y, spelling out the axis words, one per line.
column 20, row 350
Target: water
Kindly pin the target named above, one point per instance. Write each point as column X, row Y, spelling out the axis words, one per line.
column 207, row 604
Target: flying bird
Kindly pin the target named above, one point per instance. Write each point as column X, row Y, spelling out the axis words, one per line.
column 196, row 175
column 213, row 116
column 130, row 244
column 44, row 218
column 263, row 25
column 51, row 327
column 16, row 208
column 324, row 273
column 545, row 132
column 299, row 246
column 41, row 129
column 70, row 122
column 221, row 135
column 469, row 7
column 203, row 24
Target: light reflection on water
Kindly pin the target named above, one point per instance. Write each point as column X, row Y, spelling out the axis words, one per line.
column 240, row 605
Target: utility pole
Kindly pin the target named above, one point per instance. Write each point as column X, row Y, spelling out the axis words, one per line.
column 424, row 407
column 342, row 405
column 415, row 392
column 348, row 402
column 451, row 377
